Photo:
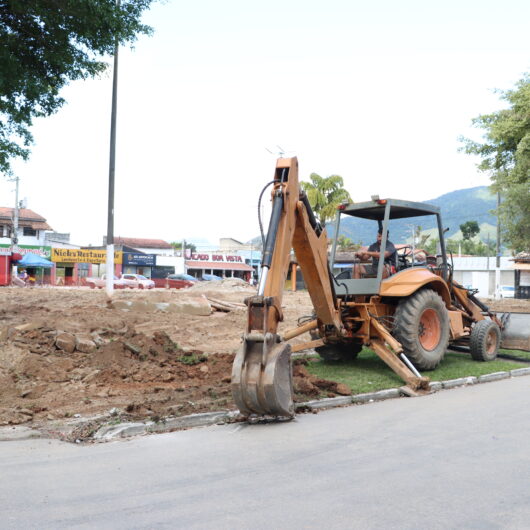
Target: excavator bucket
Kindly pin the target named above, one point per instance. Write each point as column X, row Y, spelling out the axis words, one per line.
column 515, row 331
column 261, row 379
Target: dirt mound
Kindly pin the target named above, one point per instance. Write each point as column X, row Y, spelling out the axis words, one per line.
column 67, row 353
column 145, row 376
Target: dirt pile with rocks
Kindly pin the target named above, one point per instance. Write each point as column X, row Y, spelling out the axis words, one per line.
column 68, row 353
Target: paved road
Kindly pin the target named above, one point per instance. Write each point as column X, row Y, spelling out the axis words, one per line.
column 456, row 459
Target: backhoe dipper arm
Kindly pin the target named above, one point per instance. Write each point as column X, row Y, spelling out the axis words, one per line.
column 261, row 374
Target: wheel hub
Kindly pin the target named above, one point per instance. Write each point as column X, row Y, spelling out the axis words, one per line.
column 429, row 329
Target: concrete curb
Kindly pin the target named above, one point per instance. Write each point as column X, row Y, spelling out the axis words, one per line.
column 495, row 376
column 520, row 371
column 125, row 430
column 461, row 381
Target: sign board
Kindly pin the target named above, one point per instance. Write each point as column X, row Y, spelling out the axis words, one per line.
column 215, row 257
column 147, row 260
column 82, row 255
column 7, row 250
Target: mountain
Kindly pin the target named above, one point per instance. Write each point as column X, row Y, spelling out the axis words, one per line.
column 457, row 207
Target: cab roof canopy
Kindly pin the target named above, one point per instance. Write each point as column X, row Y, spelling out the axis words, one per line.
column 375, row 210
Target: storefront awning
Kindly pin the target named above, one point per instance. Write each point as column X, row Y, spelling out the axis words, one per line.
column 218, row 265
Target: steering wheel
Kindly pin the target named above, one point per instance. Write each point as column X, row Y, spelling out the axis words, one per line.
column 402, row 258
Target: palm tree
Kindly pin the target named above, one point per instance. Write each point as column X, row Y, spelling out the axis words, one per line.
column 325, row 194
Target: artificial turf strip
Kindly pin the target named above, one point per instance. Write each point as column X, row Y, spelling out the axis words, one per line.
column 369, row 374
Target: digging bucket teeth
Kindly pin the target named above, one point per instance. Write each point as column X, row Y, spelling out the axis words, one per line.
column 262, row 378
column 515, row 331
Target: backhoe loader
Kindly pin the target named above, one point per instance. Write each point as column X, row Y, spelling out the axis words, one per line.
column 408, row 318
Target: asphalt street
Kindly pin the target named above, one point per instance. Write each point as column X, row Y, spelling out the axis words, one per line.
column 459, row 458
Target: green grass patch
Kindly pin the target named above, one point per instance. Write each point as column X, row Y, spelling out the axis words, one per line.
column 369, row 374
column 517, row 353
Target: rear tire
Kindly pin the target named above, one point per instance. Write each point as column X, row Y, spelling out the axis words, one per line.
column 421, row 325
column 485, row 340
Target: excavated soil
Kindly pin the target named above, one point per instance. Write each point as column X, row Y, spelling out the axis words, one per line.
column 133, row 363
column 67, row 353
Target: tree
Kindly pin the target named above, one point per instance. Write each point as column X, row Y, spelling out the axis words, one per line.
column 469, row 230
column 177, row 245
column 345, row 244
column 505, row 154
column 325, row 194
column 45, row 44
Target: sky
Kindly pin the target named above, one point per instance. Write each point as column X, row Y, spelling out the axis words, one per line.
column 377, row 92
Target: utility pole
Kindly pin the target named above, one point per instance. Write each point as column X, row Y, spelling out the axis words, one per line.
column 498, row 250
column 14, row 233
column 109, row 284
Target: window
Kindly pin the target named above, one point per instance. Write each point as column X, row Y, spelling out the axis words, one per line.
column 28, row 231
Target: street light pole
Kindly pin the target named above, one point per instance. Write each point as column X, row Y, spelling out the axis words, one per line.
column 109, row 284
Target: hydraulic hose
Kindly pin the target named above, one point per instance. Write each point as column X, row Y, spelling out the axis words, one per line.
column 277, row 207
column 317, row 227
column 259, row 212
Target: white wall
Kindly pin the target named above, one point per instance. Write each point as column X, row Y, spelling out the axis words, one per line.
column 171, row 261
column 37, row 241
column 157, row 251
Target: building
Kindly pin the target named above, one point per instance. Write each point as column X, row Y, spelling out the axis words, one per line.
column 230, row 259
column 30, row 237
column 147, row 246
column 522, row 275
column 31, row 233
column 152, row 258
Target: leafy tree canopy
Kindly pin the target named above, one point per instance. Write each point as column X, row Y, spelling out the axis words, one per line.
column 177, row 245
column 45, row 44
column 345, row 244
column 469, row 230
column 505, row 154
column 325, row 194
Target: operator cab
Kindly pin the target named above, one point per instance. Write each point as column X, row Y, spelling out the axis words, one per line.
column 384, row 216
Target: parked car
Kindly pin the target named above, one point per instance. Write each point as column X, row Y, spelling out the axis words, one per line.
column 507, row 291
column 119, row 283
column 180, row 281
column 137, row 281
column 211, row 278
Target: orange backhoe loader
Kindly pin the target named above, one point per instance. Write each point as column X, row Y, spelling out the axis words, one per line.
column 408, row 318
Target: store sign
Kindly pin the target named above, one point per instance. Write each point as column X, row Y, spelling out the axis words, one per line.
column 147, row 260
column 82, row 255
column 7, row 250
column 216, row 257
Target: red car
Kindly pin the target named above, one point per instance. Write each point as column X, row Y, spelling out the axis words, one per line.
column 180, row 281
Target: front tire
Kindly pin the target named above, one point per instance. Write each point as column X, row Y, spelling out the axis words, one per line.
column 421, row 325
column 485, row 340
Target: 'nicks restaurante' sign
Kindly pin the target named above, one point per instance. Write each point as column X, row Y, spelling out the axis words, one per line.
column 81, row 255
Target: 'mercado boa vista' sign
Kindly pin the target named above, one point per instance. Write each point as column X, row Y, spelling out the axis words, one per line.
column 215, row 257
